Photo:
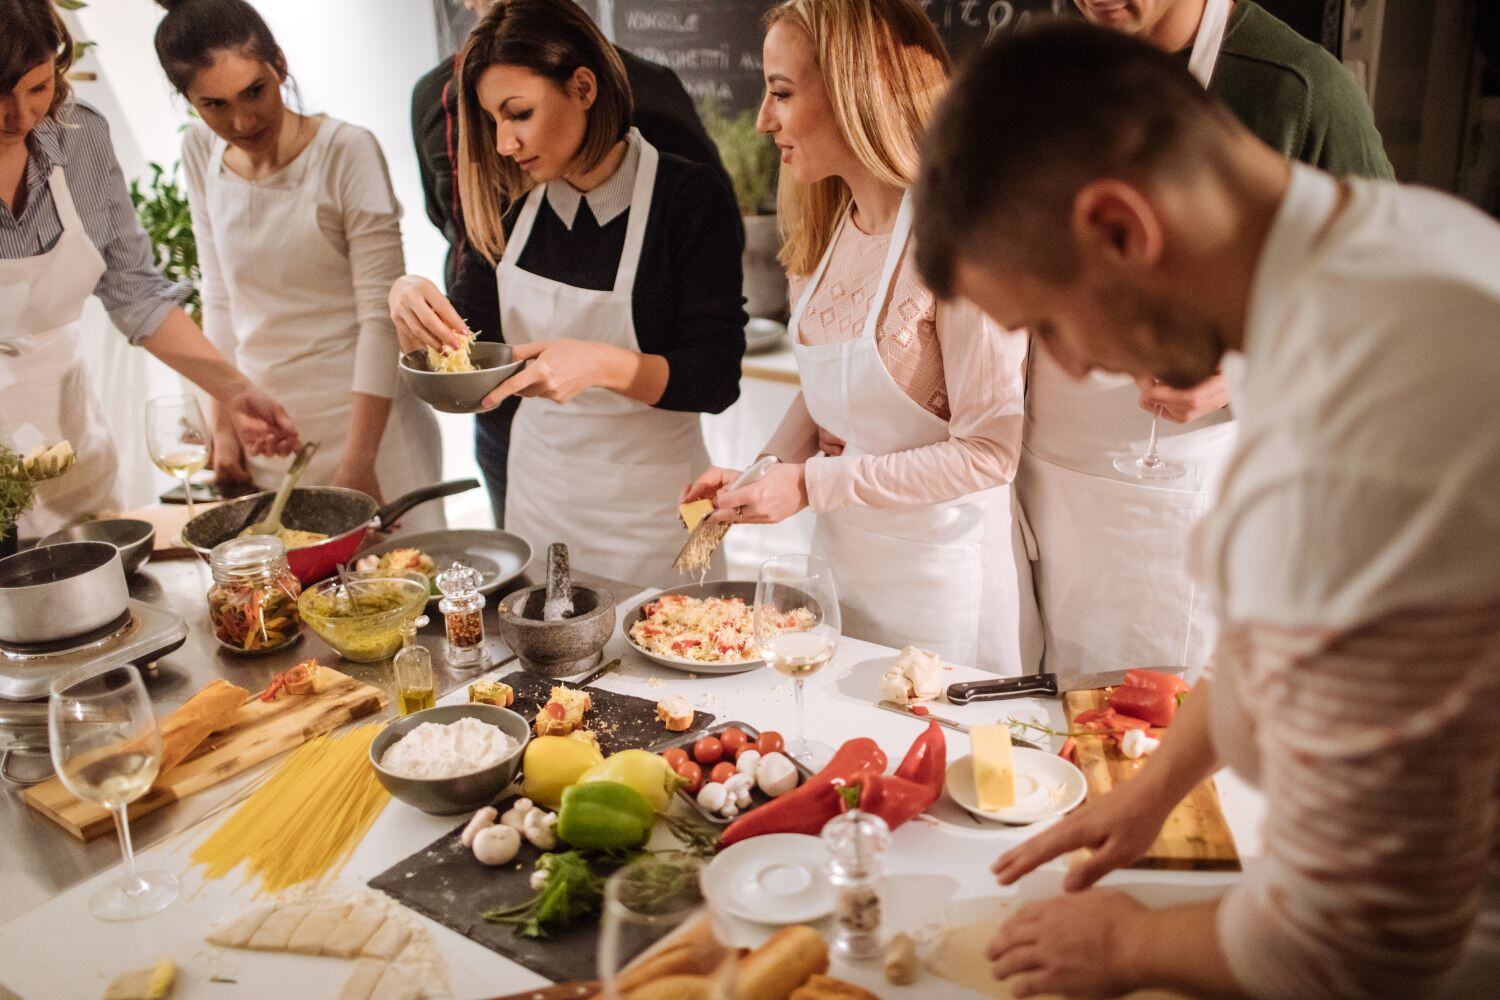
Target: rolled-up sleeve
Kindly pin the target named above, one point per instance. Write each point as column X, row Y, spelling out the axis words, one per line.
column 371, row 218
column 983, row 369
column 135, row 293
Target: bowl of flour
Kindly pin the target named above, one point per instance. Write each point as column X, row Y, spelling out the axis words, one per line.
column 452, row 758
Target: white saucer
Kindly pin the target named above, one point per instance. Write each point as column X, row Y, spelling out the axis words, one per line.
column 780, row 878
column 1046, row 786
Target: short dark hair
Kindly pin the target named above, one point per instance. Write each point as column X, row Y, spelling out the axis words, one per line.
column 193, row 30
column 1031, row 120
column 32, row 32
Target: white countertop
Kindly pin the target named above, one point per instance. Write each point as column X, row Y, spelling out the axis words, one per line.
column 58, row 950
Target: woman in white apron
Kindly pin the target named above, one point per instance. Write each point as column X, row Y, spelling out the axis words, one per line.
column 619, row 282
column 1112, row 576
column 67, row 231
column 912, row 494
column 299, row 237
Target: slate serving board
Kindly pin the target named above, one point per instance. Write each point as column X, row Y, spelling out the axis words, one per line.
column 444, row 883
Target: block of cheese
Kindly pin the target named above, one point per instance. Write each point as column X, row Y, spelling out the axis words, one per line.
column 693, row 513
column 994, row 771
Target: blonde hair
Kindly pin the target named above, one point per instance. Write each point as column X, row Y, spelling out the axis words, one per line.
column 885, row 69
column 552, row 38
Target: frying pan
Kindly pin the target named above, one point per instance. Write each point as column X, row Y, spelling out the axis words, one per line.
column 344, row 515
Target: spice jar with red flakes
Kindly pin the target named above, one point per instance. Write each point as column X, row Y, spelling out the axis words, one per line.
column 463, row 616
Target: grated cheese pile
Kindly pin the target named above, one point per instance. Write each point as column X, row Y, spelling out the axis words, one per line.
column 712, row 630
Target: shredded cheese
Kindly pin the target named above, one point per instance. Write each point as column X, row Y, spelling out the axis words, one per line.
column 706, row 630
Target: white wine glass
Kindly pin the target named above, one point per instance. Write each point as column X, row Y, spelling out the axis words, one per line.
column 179, row 440
column 106, row 748
column 656, row 902
column 787, row 588
column 1151, row 465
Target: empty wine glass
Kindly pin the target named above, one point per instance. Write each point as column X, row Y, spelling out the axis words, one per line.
column 1151, row 465
column 653, row 898
column 797, row 631
column 179, row 439
column 106, row 748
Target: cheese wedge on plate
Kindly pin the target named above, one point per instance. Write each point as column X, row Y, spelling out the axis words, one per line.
column 994, row 769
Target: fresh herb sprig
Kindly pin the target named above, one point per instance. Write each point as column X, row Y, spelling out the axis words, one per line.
column 571, row 892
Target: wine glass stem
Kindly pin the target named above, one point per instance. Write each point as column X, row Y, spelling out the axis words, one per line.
column 1151, row 456
column 187, row 491
column 122, row 827
column 801, row 717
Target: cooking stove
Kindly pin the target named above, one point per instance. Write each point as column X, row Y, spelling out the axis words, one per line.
column 142, row 635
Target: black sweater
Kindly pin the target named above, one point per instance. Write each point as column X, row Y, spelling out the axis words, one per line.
column 687, row 302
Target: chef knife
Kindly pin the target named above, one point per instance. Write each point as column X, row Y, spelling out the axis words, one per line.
column 1046, row 685
column 891, row 706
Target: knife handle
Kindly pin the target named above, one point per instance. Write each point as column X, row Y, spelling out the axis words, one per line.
column 1011, row 687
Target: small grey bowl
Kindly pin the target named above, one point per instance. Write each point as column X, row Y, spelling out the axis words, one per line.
column 133, row 538
column 449, row 796
column 460, row 392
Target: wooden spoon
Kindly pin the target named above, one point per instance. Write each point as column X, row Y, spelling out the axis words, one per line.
column 271, row 523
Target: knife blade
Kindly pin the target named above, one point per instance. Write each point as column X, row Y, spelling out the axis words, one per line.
column 1044, row 684
column 891, row 706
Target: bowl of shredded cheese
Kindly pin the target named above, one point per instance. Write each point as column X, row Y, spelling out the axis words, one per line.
column 452, row 758
column 457, row 381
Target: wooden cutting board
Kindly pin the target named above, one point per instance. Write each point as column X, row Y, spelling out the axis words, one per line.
column 1194, row 837
column 260, row 731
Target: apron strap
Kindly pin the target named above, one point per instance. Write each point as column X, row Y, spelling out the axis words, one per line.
column 640, row 214
column 883, row 288
column 522, row 232
column 1209, row 40
column 62, row 200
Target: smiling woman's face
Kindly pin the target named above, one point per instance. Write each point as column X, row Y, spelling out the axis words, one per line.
column 26, row 104
column 240, row 99
column 796, row 111
column 538, row 123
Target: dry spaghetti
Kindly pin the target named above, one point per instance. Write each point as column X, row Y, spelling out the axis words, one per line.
column 303, row 824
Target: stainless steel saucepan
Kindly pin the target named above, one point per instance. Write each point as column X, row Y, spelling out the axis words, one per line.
column 60, row 591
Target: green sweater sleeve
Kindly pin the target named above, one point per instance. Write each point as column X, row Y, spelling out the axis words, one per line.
column 1341, row 135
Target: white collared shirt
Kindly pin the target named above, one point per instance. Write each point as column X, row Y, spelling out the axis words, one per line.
column 607, row 202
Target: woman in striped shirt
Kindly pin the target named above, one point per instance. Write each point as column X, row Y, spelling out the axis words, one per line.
column 67, row 231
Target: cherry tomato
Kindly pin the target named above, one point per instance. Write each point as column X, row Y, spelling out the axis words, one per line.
column 770, row 742
column 675, row 756
column 722, row 772
column 733, row 739
column 708, row 751
column 691, row 773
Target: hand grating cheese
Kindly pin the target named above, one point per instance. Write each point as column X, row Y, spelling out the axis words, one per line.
column 994, row 771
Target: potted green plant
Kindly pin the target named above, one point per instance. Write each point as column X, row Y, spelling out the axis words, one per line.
column 162, row 206
column 752, row 164
column 18, row 479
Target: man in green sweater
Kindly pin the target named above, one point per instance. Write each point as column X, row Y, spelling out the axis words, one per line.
column 1111, row 527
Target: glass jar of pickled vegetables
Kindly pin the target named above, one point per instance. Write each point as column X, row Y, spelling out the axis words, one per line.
column 253, row 602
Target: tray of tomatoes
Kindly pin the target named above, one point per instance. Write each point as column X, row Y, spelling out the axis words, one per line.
column 748, row 767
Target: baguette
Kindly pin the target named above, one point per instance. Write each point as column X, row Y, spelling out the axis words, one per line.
column 673, row 988
column 694, row 951
column 784, row 962
column 828, row 988
column 209, row 710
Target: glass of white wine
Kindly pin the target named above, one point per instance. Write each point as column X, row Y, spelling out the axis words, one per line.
column 654, row 905
column 787, row 586
column 179, row 439
column 106, row 748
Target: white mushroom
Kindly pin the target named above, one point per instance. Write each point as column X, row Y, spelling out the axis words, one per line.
column 482, row 819
column 712, row 796
column 747, row 762
column 738, row 787
column 540, row 828
column 1135, row 743
column 776, row 775
column 495, row 845
column 515, row 816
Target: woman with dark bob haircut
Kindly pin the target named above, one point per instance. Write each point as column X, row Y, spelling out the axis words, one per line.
column 68, row 231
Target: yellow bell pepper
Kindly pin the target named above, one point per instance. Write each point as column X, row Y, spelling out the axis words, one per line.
column 551, row 764
column 646, row 772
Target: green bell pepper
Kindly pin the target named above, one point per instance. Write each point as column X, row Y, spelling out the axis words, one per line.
column 604, row 816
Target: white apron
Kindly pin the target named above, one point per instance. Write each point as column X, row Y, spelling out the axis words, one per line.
column 943, row 576
column 45, row 396
column 1112, row 579
column 292, row 302
column 601, row 473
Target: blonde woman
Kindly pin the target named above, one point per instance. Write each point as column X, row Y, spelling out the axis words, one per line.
column 914, row 405
column 619, row 279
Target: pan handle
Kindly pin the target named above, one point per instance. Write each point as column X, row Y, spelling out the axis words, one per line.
column 387, row 514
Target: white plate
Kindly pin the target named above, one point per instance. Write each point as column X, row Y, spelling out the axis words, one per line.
column 780, row 878
column 1046, row 786
column 763, row 335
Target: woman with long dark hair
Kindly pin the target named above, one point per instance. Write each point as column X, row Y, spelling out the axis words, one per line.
column 68, row 231
column 619, row 279
column 299, row 236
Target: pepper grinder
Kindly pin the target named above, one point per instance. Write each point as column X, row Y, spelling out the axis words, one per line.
column 462, row 607
column 413, row 665
column 856, row 841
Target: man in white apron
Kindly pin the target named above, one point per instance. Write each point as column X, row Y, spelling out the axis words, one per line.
column 600, row 473
column 1112, row 570
column 942, row 576
column 45, row 396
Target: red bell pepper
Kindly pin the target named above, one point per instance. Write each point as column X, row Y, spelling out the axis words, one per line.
column 915, row 786
column 1154, row 705
column 806, row 808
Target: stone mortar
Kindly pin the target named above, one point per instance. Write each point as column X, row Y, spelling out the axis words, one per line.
column 560, row 648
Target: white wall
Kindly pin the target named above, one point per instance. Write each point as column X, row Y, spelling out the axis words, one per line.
column 354, row 59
